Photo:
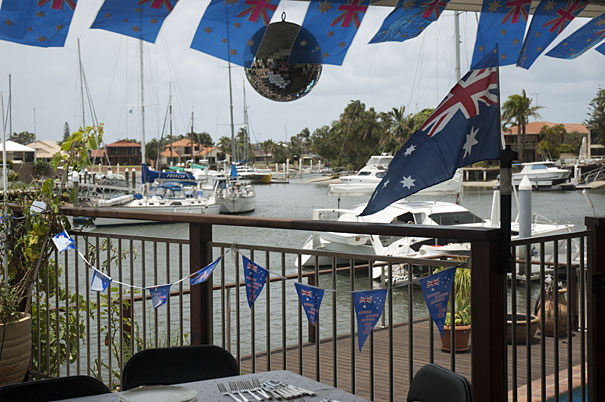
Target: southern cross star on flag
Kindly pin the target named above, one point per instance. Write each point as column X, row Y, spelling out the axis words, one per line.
column 333, row 23
column 233, row 29
column 42, row 23
column 580, row 41
column 501, row 28
column 409, row 19
column 549, row 20
column 464, row 129
column 141, row 19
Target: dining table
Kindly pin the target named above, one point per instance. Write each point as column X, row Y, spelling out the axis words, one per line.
column 219, row 389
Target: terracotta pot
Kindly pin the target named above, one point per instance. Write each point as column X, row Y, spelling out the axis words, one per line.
column 16, row 349
column 463, row 334
column 521, row 328
column 550, row 310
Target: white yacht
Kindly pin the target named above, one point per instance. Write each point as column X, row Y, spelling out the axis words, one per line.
column 541, row 174
column 234, row 196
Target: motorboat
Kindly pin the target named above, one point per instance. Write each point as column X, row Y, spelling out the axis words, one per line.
column 254, row 175
column 541, row 174
column 175, row 197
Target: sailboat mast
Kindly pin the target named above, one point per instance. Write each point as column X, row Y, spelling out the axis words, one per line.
column 246, row 136
column 81, row 86
column 142, row 102
column 4, row 186
column 170, row 113
column 191, row 137
column 10, row 107
column 231, row 111
column 457, row 36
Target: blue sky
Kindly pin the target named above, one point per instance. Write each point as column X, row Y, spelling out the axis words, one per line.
column 416, row 73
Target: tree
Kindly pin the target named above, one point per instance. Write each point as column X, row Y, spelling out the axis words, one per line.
column 596, row 121
column 66, row 132
column 204, row 139
column 267, row 146
column 552, row 138
column 23, row 138
column 224, row 144
column 516, row 111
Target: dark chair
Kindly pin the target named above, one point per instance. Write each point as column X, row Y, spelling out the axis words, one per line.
column 433, row 383
column 53, row 389
column 165, row 366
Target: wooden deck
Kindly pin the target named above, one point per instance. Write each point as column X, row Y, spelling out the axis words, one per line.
column 420, row 356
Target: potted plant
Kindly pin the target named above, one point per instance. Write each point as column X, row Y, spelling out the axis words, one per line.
column 32, row 219
column 462, row 317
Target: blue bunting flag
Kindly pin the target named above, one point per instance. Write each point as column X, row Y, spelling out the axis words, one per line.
column 310, row 298
column 601, row 49
column 368, row 308
column 159, row 294
column 203, row 274
column 100, row 281
column 436, row 289
column 254, row 276
column 64, row 242
column 580, row 41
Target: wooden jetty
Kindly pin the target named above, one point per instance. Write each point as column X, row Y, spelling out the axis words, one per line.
column 401, row 375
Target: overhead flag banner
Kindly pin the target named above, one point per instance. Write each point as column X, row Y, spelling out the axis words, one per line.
column 436, row 290
column 254, row 276
column 333, row 24
column 232, row 29
column 588, row 36
column 601, row 49
column 464, row 129
column 64, row 242
column 43, row 23
column 100, row 281
column 501, row 28
column 368, row 309
column 203, row 274
column 310, row 297
column 548, row 21
column 409, row 19
column 159, row 294
column 141, row 19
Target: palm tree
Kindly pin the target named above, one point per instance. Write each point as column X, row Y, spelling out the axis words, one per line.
column 516, row 111
column 267, row 146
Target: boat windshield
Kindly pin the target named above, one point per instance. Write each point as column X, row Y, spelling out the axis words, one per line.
column 455, row 218
column 538, row 167
column 363, row 174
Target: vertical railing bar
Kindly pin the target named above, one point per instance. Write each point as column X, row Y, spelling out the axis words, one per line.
column 352, row 317
column 452, row 329
column 542, row 323
column 238, row 338
column 87, row 308
column 253, row 328
column 513, row 318
column 38, row 326
column 431, row 334
column 224, row 336
column 47, row 300
column 98, row 263
column 109, row 316
column 371, row 286
column 67, row 337
column 556, row 314
column 181, row 298
column 156, row 329
column 78, row 334
column 121, row 308
column 316, row 329
column 168, row 315
column 334, row 327
column 582, row 321
column 571, row 291
column 390, row 331
column 410, row 269
column 131, row 292
column 57, row 314
column 268, row 310
column 528, row 274
column 300, row 325
column 144, row 291
column 283, row 311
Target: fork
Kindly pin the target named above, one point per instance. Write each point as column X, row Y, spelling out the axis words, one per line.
column 259, row 388
column 223, row 390
column 247, row 386
column 235, row 389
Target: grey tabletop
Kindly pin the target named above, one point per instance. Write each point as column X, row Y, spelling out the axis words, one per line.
column 208, row 390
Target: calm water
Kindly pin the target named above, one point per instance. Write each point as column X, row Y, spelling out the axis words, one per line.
column 297, row 200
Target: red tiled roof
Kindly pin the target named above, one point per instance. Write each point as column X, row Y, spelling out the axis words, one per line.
column 124, row 143
column 166, row 153
column 185, row 142
column 97, row 153
column 534, row 127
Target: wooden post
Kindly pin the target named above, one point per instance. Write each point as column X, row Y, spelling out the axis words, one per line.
column 200, row 255
column 488, row 326
column 596, row 308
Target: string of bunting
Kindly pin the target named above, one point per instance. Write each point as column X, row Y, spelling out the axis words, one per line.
column 368, row 304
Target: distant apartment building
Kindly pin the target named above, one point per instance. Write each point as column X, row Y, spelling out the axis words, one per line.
column 183, row 150
column 123, row 152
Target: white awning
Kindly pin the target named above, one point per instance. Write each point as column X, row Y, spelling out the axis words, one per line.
column 12, row 146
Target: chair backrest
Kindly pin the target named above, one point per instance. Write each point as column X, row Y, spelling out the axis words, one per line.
column 53, row 389
column 165, row 366
column 433, row 383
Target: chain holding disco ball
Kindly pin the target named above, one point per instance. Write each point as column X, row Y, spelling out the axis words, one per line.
column 270, row 74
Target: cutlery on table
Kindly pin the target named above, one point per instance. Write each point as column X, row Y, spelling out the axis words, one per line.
column 235, row 389
column 223, row 390
column 248, row 387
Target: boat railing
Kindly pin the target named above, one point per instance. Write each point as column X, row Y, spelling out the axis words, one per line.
column 100, row 330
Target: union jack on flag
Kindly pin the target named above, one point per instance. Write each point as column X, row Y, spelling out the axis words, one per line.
column 432, row 282
column 306, row 293
column 365, row 299
column 252, row 267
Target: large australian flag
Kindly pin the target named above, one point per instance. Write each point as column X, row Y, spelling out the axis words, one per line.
column 464, row 129
column 43, row 23
column 549, row 20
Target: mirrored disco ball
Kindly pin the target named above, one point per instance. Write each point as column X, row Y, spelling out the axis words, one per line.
column 270, row 74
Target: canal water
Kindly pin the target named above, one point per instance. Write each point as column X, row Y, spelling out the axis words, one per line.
column 297, row 200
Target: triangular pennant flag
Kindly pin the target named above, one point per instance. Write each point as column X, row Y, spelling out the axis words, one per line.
column 368, row 308
column 141, row 19
column 581, row 40
column 43, row 23
column 64, row 242
column 310, row 298
column 100, row 281
column 255, row 276
column 203, row 274
column 37, row 207
column 436, row 289
column 159, row 294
